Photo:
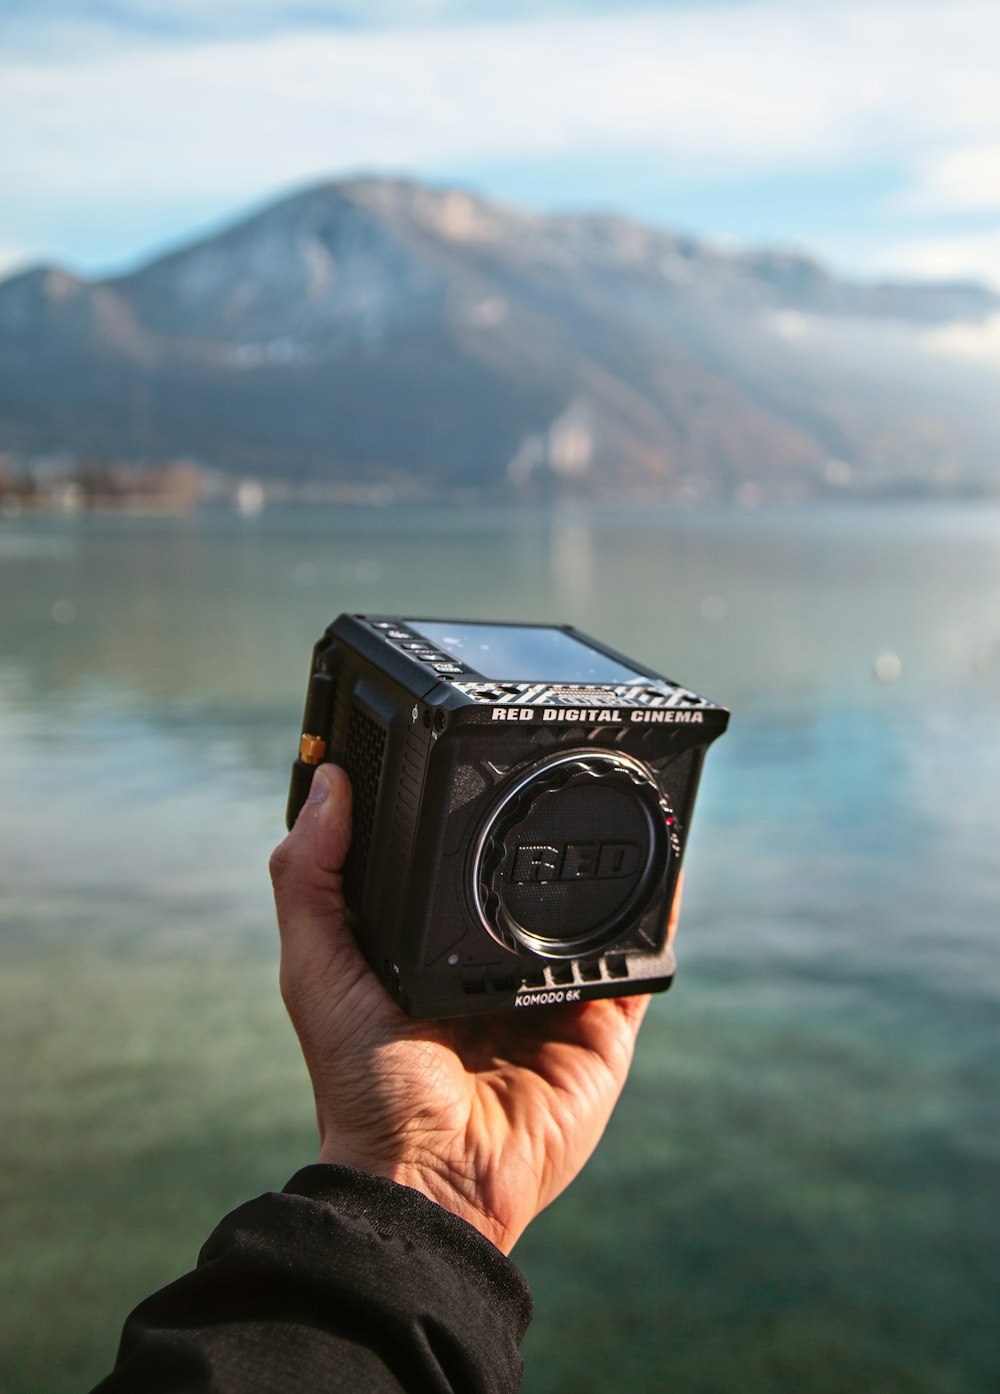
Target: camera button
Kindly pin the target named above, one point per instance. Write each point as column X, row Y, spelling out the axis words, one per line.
column 590, row 971
column 503, row 980
column 533, row 977
column 473, row 981
column 617, row 965
column 562, row 973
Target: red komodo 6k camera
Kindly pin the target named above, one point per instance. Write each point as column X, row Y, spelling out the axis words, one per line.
column 522, row 797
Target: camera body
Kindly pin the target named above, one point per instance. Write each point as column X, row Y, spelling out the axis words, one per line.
column 522, row 797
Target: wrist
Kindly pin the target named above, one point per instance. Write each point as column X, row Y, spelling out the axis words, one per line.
column 458, row 1199
column 461, row 1200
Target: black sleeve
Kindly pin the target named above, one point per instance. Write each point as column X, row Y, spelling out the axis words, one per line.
column 344, row 1281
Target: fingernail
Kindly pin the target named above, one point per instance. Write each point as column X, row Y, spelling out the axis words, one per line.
column 319, row 790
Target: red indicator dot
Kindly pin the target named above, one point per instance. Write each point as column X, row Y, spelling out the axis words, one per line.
column 670, row 822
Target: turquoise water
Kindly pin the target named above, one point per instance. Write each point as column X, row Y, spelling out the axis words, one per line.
column 799, row 1190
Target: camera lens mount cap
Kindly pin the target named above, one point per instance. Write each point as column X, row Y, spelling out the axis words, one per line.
column 572, row 855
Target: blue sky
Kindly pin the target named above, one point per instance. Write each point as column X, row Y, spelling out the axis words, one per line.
column 867, row 133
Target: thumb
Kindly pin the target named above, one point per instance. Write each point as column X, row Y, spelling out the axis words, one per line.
column 306, row 869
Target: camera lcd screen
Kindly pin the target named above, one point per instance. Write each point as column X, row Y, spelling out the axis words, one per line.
column 525, row 653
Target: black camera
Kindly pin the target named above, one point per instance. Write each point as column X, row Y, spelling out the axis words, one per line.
column 522, row 797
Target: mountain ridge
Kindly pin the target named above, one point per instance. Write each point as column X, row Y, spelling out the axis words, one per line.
column 390, row 331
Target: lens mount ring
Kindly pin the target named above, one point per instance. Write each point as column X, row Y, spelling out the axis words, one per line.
column 562, row 890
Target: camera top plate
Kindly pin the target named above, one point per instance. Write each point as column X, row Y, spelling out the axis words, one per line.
column 458, row 667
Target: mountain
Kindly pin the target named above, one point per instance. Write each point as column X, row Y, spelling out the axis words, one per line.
column 386, row 331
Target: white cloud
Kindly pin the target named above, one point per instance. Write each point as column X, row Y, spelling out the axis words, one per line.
column 979, row 343
column 95, row 122
column 732, row 88
column 13, row 257
column 971, row 257
column 965, row 180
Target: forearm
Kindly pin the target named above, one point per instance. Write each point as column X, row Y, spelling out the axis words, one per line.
column 342, row 1282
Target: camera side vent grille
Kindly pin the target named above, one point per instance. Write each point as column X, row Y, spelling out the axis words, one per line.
column 364, row 750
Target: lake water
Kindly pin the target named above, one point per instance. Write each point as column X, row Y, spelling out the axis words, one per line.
column 799, row 1190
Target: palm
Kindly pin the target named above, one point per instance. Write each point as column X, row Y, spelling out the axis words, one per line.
column 506, row 1107
column 532, row 1096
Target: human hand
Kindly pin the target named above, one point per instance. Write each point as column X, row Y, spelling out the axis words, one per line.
column 490, row 1116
